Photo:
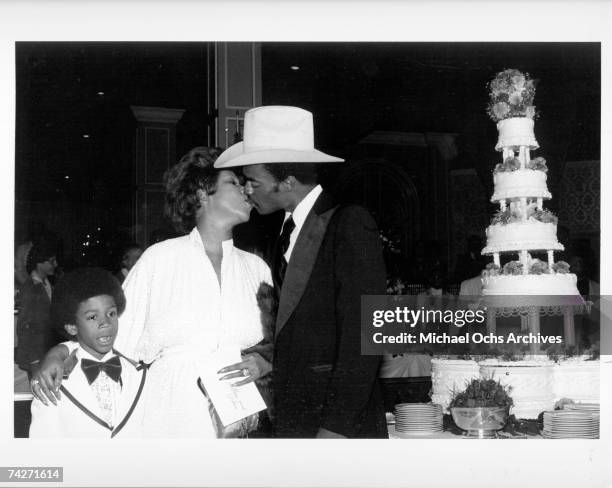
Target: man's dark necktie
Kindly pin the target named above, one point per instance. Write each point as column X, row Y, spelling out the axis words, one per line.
column 92, row 369
column 280, row 264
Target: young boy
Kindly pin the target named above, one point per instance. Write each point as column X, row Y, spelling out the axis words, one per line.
column 102, row 390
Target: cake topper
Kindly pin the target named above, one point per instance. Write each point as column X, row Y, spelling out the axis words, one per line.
column 511, row 95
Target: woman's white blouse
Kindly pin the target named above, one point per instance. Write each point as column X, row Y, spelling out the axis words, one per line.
column 176, row 305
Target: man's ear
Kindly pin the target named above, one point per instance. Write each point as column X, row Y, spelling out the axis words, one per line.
column 288, row 183
column 71, row 329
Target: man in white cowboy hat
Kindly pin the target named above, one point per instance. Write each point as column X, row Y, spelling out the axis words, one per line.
column 326, row 257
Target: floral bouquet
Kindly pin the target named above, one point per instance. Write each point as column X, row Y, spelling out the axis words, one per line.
column 510, row 216
column 513, row 163
column 513, row 268
column 557, row 352
column 538, row 164
column 491, row 269
column 561, row 267
column 544, row 216
column 538, row 267
column 534, row 267
column 483, row 393
column 509, row 164
column 511, row 95
column 505, row 217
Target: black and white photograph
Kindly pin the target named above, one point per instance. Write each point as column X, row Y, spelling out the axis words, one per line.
column 359, row 257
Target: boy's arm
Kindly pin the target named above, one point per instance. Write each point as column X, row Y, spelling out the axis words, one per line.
column 47, row 380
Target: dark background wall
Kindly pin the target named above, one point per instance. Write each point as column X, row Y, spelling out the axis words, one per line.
column 357, row 91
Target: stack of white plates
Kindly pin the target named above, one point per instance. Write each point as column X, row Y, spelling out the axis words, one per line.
column 418, row 418
column 583, row 407
column 571, row 424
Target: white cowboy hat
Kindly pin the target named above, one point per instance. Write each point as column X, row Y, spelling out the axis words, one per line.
column 275, row 134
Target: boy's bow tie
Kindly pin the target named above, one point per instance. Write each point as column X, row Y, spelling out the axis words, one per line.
column 92, row 369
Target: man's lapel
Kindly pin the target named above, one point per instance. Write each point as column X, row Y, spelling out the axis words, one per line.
column 303, row 257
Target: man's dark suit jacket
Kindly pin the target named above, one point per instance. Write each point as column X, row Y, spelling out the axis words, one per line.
column 320, row 378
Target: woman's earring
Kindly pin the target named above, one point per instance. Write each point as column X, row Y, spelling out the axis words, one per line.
column 202, row 196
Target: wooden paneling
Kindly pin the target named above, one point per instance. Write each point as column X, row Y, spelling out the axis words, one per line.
column 238, row 87
column 155, row 153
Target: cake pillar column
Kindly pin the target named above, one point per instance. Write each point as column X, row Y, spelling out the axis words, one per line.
column 524, row 323
column 523, row 259
column 568, row 326
column 534, row 327
column 551, row 261
column 491, row 325
column 522, row 156
column 523, row 201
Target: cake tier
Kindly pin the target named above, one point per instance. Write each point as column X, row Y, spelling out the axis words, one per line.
column 577, row 379
column 516, row 132
column 531, row 235
column 520, row 183
column 531, row 383
column 530, row 284
column 449, row 376
column 536, row 383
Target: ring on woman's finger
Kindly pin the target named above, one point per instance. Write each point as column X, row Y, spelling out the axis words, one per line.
column 34, row 382
column 245, row 372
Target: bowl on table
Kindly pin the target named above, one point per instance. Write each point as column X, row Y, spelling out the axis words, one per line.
column 480, row 422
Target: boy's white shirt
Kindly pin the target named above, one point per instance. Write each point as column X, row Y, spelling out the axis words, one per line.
column 67, row 420
column 102, row 381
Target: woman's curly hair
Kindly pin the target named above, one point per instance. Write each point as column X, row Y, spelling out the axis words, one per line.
column 194, row 171
column 78, row 286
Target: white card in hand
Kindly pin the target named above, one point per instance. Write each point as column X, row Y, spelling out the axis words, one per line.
column 232, row 403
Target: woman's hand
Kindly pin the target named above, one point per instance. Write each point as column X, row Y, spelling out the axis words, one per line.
column 47, row 379
column 252, row 367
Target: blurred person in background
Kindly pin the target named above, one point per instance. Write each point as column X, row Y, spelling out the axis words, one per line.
column 21, row 257
column 130, row 253
column 35, row 334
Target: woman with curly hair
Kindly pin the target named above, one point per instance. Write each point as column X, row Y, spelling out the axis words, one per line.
column 188, row 298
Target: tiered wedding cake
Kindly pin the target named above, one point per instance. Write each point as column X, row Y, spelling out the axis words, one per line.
column 522, row 225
